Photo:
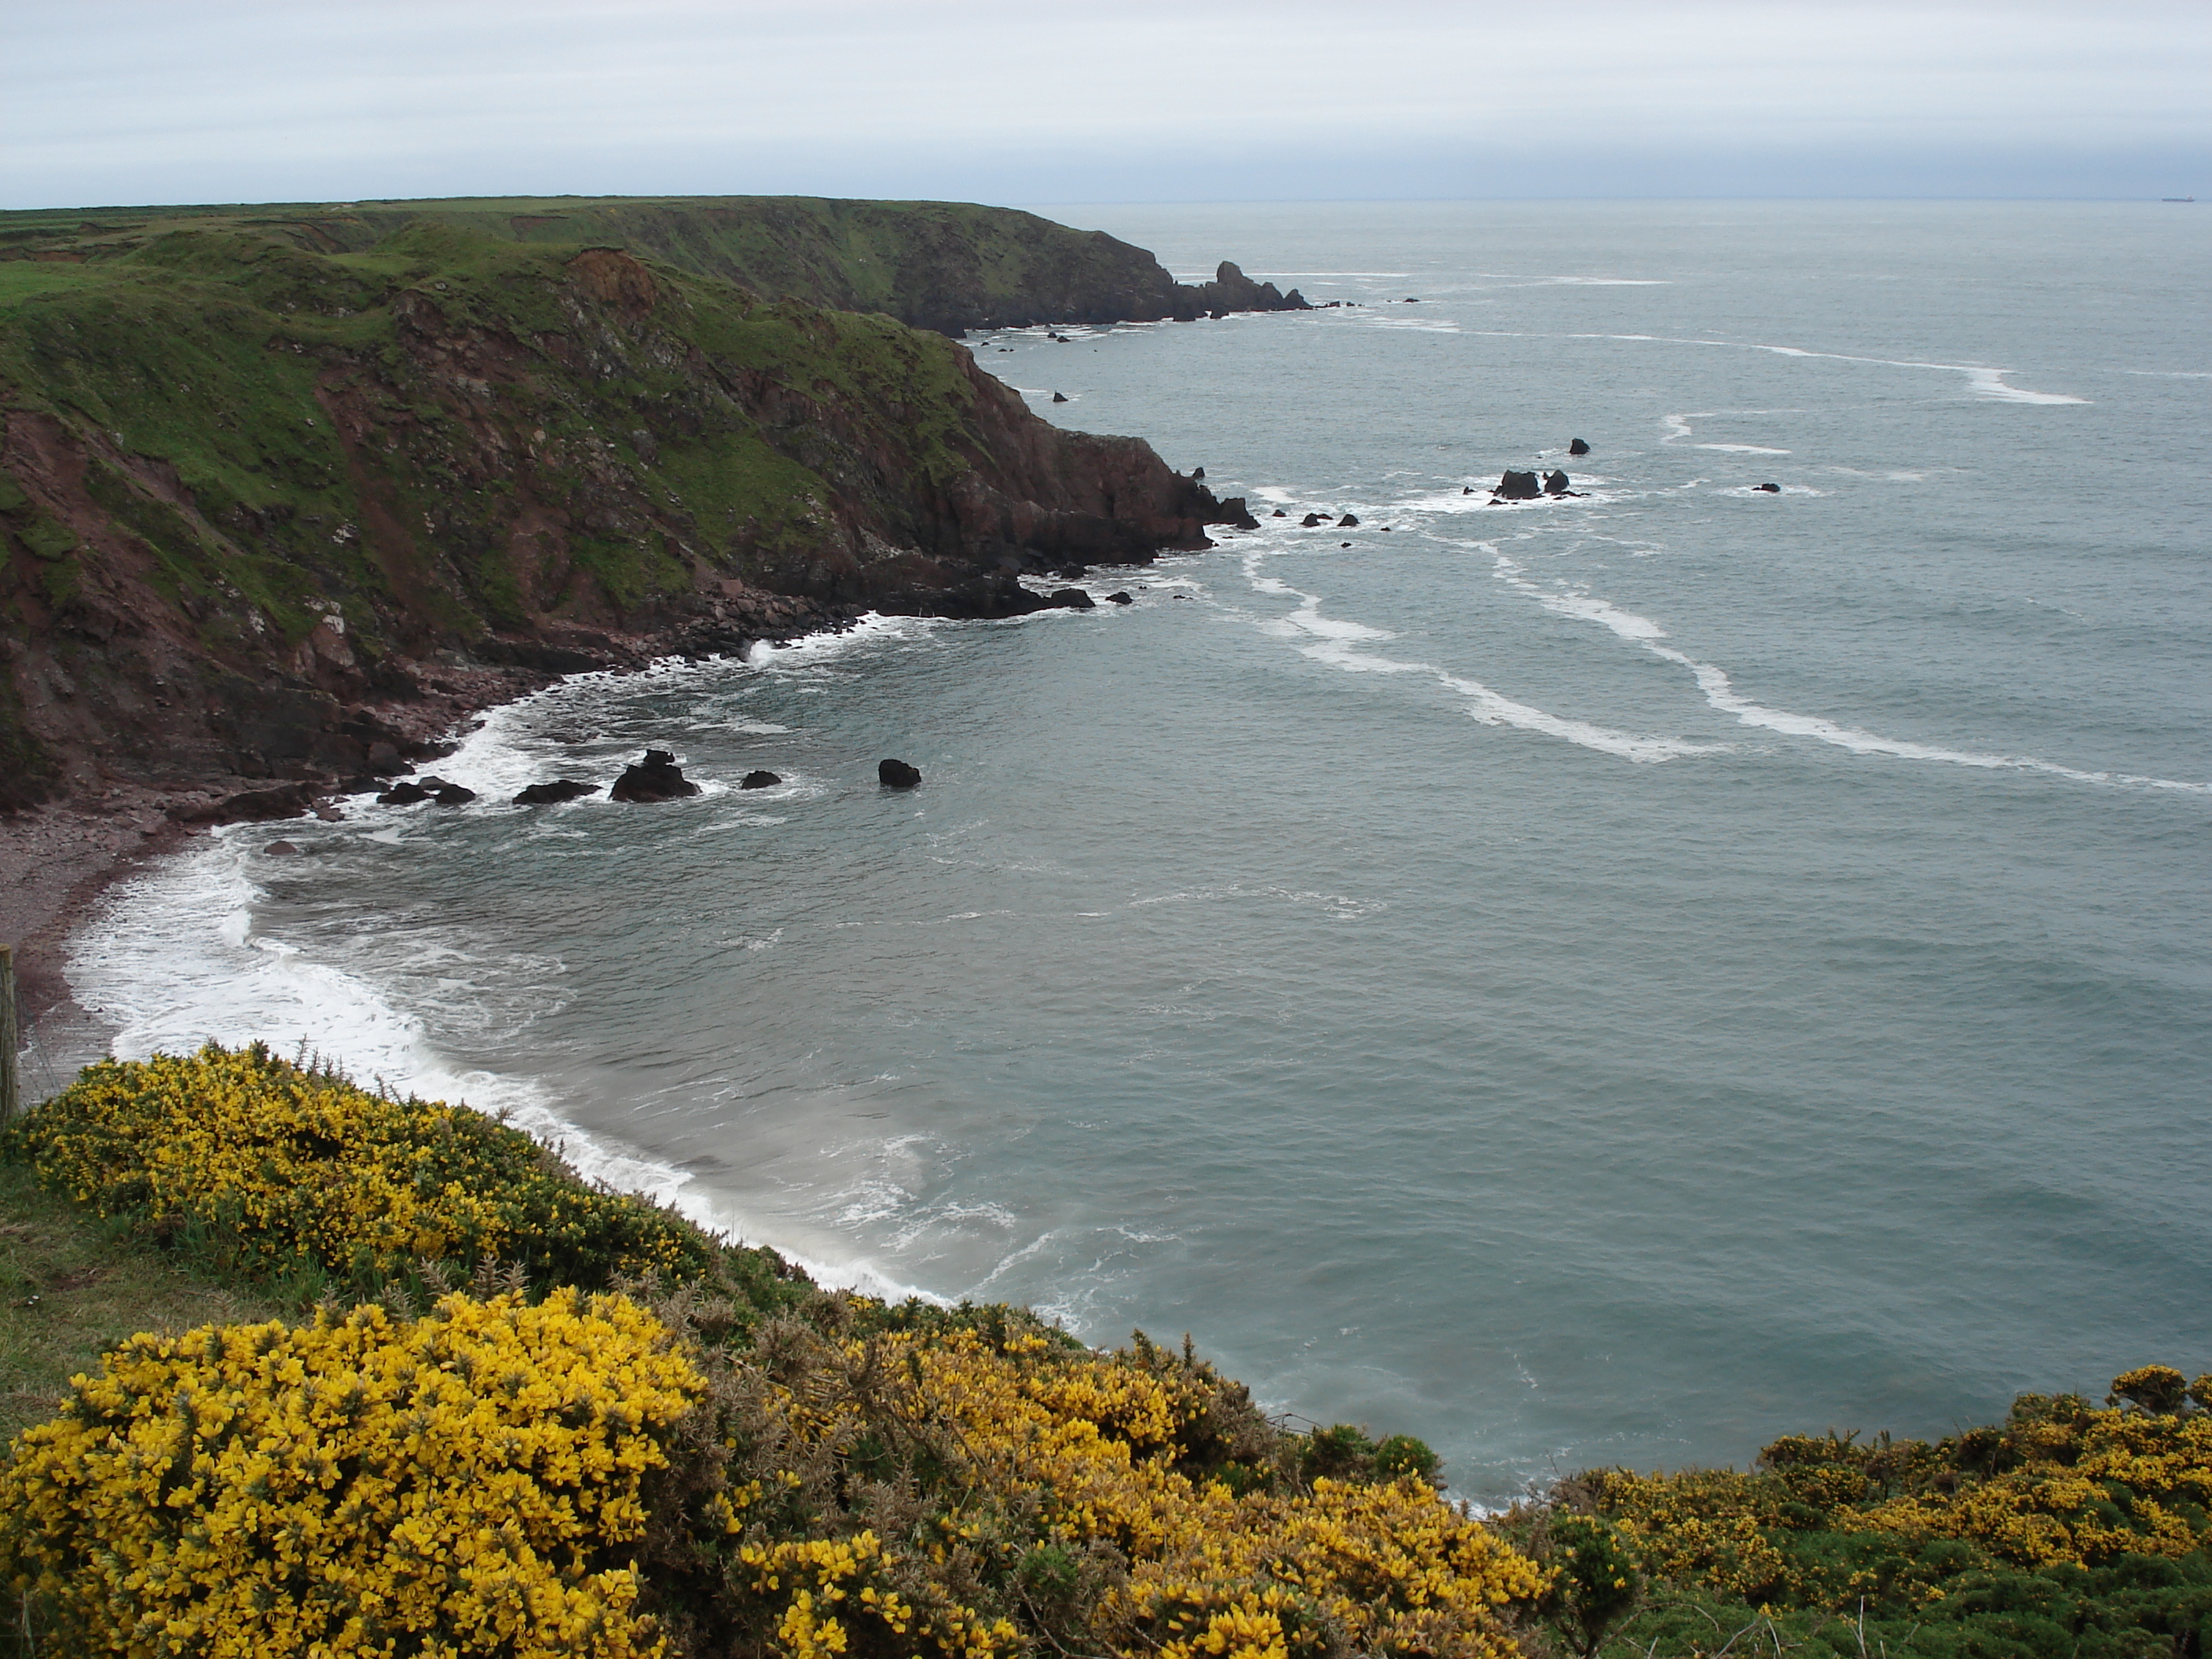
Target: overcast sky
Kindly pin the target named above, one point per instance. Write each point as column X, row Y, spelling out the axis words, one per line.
column 123, row 101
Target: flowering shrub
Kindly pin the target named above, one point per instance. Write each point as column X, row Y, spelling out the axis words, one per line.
column 283, row 1169
column 997, row 1485
column 462, row 1484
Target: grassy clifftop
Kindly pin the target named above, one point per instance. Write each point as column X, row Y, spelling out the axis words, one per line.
column 251, row 489
column 943, row 265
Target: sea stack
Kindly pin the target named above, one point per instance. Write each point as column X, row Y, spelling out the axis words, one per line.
column 655, row 778
column 896, row 774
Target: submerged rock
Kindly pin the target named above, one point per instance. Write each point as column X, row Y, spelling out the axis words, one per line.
column 1768, row 489
column 553, row 793
column 655, row 778
column 759, row 781
column 896, row 774
column 277, row 849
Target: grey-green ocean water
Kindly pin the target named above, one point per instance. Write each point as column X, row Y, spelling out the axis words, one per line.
column 1608, row 980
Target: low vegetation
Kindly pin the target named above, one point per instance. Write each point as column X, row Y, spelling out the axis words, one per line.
column 382, row 1377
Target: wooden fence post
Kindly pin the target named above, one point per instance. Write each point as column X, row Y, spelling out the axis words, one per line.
column 11, row 1038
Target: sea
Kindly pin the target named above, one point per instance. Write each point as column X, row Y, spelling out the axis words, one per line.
column 1607, row 980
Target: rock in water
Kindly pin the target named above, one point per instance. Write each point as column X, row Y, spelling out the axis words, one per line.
column 1071, row 598
column 1578, row 447
column 1119, row 599
column 277, row 849
column 1311, row 520
column 1556, row 483
column 759, row 781
column 1349, row 520
column 1517, row 487
column 1467, row 489
column 553, row 793
column 654, row 778
column 454, row 794
column 1060, row 397
column 1769, row 488
column 1279, row 514
column 896, row 774
column 402, row 795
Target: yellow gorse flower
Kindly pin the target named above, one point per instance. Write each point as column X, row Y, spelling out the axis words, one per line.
column 459, row 1485
column 286, row 1167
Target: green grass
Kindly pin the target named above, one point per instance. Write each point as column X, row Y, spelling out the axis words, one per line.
column 72, row 1286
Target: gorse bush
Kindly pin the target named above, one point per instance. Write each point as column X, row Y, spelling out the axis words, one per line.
column 997, row 1487
column 466, row 1484
column 2071, row 1529
column 282, row 1170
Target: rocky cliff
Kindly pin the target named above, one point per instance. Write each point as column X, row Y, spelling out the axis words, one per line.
column 949, row 266
column 266, row 507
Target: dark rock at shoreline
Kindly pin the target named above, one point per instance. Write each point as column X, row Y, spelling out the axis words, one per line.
column 553, row 793
column 1119, row 599
column 896, row 774
column 402, row 795
column 277, row 849
column 454, row 794
column 1234, row 513
column 384, row 760
column 1517, row 487
column 1197, row 474
column 655, row 778
column 1349, row 520
column 1279, row 514
column 1768, row 489
column 1060, row 397
column 1556, row 483
column 1071, row 598
column 759, row 781
column 1311, row 520
column 1578, row 447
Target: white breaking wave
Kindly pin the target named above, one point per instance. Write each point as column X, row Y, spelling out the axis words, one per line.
column 1981, row 379
column 1337, row 643
column 1721, row 694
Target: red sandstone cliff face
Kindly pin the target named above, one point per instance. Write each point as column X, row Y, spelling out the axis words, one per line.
column 264, row 517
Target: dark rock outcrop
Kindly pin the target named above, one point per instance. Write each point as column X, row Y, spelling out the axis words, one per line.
column 1768, row 489
column 1517, row 487
column 277, row 849
column 1578, row 447
column 1120, row 598
column 402, row 795
column 1071, row 598
column 1060, row 397
column 896, row 774
column 759, row 781
column 1278, row 514
column 655, row 778
column 553, row 793
column 454, row 794
column 1556, row 483
column 1311, row 520
column 1348, row 521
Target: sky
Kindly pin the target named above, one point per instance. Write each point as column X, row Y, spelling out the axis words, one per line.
column 117, row 102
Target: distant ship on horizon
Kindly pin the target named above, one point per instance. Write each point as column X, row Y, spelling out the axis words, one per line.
column 2177, row 198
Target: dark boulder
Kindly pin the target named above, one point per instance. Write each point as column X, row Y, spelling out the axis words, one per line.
column 402, row 795
column 277, row 849
column 1279, row 514
column 655, row 778
column 1060, row 397
column 1119, row 599
column 1517, row 487
column 1578, row 447
column 1311, row 520
column 1556, row 483
column 454, row 794
column 1349, row 520
column 1197, row 473
column 1768, row 489
column 896, row 774
column 553, row 793
column 1236, row 515
column 1071, row 598
column 385, row 761
column 759, row 781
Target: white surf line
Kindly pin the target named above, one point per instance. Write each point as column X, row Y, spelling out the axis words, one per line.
column 1986, row 382
column 1336, row 643
column 1721, row 694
